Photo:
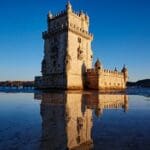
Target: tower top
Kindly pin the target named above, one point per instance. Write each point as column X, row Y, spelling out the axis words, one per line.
column 68, row 6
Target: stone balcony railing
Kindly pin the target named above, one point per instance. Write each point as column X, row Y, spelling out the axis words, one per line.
column 71, row 27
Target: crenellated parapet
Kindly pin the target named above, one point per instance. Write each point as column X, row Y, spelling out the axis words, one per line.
column 72, row 27
column 104, row 72
column 56, row 16
column 68, row 11
column 64, row 12
column 81, row 15
column 76, row 22
column 56, row 29
column 111, row 72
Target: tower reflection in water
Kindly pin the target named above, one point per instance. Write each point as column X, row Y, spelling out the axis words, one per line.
column 67, row 117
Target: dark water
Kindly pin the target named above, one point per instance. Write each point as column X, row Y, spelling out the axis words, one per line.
column 74, row 120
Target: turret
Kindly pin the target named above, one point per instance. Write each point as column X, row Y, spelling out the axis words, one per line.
column 125, row 72
column 87, row 18
column 68, row 7
column 50, row 15
column 98, row 65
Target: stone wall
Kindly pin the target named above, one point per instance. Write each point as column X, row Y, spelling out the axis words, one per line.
column 92, row 79
column 105, row 79
column 111, row 80
column 55, row 43
column 53, row 81
column 78, row 49
column 55, row 50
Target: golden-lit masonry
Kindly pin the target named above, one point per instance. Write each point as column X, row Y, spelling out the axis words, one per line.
column 68, row 57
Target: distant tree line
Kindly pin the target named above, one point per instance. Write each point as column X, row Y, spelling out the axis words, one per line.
column 140, row 83
column 17, row 83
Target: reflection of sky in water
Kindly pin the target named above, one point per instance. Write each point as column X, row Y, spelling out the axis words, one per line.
column 20, row 121
column 129, row 130
column 74, row 120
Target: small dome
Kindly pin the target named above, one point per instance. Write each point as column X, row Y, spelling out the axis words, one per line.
column 98, row 64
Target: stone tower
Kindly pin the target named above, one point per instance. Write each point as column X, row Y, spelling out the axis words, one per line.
column 67, row 50
column 67, row 62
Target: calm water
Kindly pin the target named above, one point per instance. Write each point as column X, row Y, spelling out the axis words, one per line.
column 74, row 120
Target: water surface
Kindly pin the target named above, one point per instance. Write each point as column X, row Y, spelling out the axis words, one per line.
column 74, row 120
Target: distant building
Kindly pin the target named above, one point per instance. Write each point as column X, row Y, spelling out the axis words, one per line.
column 68, row 57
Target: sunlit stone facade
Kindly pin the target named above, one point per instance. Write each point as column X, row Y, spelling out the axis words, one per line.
column 68, row 57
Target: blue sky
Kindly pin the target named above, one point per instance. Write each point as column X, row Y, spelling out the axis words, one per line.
column 121, row 31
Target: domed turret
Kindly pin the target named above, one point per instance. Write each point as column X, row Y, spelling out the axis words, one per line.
column 98, row 65
column 124, row 69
